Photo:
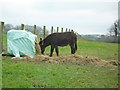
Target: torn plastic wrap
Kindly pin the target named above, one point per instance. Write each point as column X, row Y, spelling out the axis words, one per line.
column 21, row 43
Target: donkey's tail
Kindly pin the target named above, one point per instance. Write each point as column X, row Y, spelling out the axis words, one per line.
column 76, row 44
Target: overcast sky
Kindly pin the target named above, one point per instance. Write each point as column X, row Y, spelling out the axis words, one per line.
column 93, row 17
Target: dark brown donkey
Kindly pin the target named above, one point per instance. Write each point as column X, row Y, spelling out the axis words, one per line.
column 59, row 39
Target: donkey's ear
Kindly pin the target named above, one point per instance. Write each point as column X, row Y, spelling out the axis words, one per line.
column 40, row 39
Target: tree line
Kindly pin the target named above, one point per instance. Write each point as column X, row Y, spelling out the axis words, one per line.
column 39, row 30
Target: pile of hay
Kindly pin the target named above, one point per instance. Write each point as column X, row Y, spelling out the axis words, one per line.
column 74, row 59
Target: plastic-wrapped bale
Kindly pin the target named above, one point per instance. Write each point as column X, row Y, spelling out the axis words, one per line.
column 20, row 43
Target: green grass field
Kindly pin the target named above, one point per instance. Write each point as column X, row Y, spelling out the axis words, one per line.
column 26, row 74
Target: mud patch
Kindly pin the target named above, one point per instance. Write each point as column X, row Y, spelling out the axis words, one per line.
column 74, row 59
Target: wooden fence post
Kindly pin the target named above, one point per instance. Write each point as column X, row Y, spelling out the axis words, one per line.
column 22, row 26
column 34, row 29
column 61, row 29
column 51, row 29
column 44, row 30
column 1, row 36
column 66, row 29
column 57, row 29
column 1, row 47
column 69, row 30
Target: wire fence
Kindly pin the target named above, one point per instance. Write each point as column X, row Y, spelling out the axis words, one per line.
column 3, row 39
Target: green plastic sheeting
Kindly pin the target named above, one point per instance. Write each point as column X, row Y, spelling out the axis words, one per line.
column 21, row 42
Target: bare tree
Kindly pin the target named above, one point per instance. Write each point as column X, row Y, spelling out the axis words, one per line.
column 113, row 30
column 118, row 27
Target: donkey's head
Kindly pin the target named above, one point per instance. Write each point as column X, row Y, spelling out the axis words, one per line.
column 41, row 43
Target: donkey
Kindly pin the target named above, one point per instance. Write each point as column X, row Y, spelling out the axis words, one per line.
column 59, row 39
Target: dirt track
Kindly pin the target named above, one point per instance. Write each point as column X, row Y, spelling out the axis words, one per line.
column 74, row 59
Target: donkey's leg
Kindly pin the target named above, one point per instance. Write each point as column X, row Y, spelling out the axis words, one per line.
column 56, row 49
column 52, row 49
column 75, row 48
column 72, row 49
